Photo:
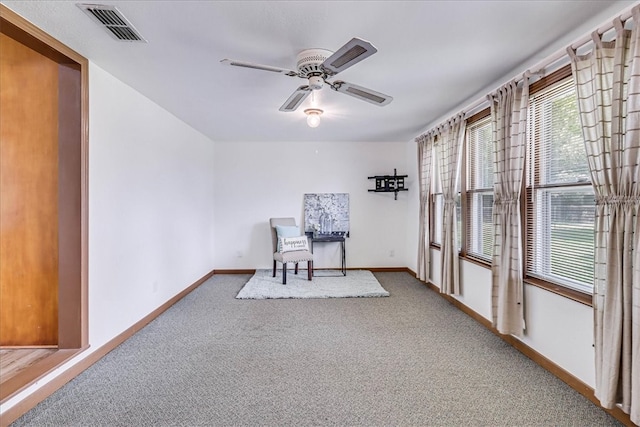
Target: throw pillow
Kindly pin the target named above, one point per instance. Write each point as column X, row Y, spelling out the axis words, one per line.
column 286, row 231
column 290, row 244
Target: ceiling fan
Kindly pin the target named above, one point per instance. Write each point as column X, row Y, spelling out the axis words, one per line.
column 320, row 65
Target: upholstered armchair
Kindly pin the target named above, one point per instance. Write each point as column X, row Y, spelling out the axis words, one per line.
column 288, row 229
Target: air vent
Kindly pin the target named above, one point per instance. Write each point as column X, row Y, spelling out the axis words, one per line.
column 112, row 20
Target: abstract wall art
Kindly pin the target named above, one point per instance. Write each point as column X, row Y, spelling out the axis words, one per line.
column 326, row 213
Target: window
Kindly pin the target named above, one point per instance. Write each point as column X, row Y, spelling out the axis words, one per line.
column 559, row 198
column 437, row 201
column 479, row 189
column 558, row 202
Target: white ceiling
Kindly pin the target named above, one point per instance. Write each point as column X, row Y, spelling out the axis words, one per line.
column 433, row 57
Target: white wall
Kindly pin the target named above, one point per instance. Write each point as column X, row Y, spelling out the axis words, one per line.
column 561, row 330
column 257, row 181
column 151, row 205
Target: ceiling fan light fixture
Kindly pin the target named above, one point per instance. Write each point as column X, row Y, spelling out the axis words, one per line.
column 316, row 82
column 318, row 65
column 313, row 116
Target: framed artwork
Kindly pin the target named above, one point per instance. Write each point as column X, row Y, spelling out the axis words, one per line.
column 326, row 213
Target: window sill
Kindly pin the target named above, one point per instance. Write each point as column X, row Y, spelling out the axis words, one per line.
column 581, row 297
column 478, row 261
column 577, row 296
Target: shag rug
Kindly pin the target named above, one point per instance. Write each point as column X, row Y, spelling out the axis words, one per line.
column 357, row 283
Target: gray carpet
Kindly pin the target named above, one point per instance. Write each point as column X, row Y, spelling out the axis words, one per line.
column 411, row 359
column 356, row 284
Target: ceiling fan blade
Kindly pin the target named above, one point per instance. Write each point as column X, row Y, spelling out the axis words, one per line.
column 296, row 99
column 362, row 93
column 350, row 54
column 235, row 63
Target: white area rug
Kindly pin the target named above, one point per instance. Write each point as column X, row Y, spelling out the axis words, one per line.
column 357, row 283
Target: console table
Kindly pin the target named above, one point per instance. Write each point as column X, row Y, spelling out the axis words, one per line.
column 331, row 238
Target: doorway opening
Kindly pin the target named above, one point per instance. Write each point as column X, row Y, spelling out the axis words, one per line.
column 54, row 169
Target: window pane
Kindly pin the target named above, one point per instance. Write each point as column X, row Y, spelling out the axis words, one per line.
column 560, row 147
column 479, row 218
column 480, row 155
column 458, row 222
column 564, row 245
column 437, row 200
column 436, row 184
column 481, row 224
column 436, row 236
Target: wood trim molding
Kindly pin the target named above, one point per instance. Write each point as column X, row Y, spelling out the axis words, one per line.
column 552, row 78
column 372, row 269
column 576, row 296
column 16, row 26
column 84, row 191
column 234, row 271
column 384, row 269
column 532, row 354
column 485, row 112
column 45, row 391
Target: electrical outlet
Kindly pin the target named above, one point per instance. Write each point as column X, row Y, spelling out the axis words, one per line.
column 392, row 253
column 239, row 254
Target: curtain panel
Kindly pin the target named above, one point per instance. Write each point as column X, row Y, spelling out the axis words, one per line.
column 425, row 161
column 608, row 86
column 509, row 106
column 449, row 149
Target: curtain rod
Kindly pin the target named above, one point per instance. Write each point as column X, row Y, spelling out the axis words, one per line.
column 624, row 16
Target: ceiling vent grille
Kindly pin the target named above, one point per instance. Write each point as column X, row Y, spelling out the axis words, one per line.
column 112, row 20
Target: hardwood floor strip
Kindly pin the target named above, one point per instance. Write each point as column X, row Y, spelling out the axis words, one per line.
column 13, row 361
column 25, row 377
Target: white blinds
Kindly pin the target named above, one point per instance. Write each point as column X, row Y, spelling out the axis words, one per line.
column 561, row 204
column 479, row 218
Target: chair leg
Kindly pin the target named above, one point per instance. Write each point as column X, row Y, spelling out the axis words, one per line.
column 296, row 268
column 309, row 269
column 284, row 273
column 274, row 268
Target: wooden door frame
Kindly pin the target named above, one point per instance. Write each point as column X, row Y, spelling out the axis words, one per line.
column 73, row 134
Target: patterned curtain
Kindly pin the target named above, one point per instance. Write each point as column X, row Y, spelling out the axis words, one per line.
column 509, row 118
column 608, row 86
column 425, row 151
column 449, row 148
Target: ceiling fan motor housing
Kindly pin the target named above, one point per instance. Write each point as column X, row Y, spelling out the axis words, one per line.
column 309, row 61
